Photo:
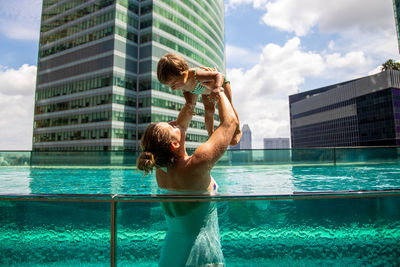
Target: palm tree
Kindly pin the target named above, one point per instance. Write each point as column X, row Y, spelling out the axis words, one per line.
column 390, row 65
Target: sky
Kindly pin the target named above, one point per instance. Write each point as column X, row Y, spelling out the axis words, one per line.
column 274, row 48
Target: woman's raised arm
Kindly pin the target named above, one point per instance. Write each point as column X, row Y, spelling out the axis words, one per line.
column 187, row 111
column 209, row 152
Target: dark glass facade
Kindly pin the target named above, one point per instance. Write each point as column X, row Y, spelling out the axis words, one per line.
column 376, row 119
column 362, row 112
column 97, row 87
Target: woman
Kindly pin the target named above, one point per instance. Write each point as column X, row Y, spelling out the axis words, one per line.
column 193, row 236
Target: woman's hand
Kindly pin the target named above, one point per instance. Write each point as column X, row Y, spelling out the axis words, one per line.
column 215, row 93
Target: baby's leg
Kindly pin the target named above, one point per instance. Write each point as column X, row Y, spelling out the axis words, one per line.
column 238, row 132
column 209, row 110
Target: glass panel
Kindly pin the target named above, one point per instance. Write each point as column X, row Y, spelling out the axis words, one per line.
column 360, row 155
column 324, row 156
column 293, row 232
column 317, row 232
column 83, row 25
column 15, row 158
column 140, row 232
column 54, row 233
column 232, row 180
column 304, row 156
column 84, row 158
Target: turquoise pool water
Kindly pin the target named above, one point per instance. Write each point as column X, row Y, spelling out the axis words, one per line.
column 239, row 180
column 268, row 216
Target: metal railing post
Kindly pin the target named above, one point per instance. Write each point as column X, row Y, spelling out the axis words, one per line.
column 334, row 156
column 112, row 260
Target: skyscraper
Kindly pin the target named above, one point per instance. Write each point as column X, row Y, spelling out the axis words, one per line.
column 97, row 87
column 245, row 141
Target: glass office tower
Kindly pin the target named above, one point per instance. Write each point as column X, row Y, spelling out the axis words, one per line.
column 97, row 86
column 360, row 112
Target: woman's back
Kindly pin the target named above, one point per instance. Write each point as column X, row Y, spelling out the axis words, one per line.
column 185, row 175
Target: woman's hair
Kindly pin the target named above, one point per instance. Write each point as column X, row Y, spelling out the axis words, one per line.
column 170, row 65
column 156, row 146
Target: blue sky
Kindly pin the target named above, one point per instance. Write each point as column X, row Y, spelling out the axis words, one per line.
column 274, row 48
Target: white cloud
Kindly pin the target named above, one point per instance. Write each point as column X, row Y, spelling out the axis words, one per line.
column 233, row 4
column 362, row 38
column 286, row 15
column 349, row 60
column 241, row 57
column 260, row 94
column 376, row 70
column 331, row 45
column 369, row 16
column 355, row 25
column 17, row 82
column 300, row 16
column 378, row 45
column 20, row 20
column 17, row 103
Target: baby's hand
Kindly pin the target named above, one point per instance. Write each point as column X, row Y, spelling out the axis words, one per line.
column 209, row 69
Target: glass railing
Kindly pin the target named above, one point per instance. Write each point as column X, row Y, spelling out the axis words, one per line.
column 311, row 156
column 326, row 229
column 301, row 228
column 15, row 158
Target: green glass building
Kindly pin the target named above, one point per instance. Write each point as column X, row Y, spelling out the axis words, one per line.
column 97, row 86
column 396, row 8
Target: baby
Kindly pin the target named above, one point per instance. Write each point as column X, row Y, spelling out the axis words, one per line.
column 173, row 71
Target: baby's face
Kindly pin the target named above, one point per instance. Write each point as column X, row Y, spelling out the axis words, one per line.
column 177, row 82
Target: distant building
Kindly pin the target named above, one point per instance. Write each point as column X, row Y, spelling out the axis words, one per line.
column 245, row 141
column 396, row 7
column 276, row 143
column 360, row 112
column 243, row 153
column 275, row 156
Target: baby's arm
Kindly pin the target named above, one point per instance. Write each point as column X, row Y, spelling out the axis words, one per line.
column 210, row 78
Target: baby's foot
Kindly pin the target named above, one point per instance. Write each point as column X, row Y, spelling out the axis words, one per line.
column 236, row 137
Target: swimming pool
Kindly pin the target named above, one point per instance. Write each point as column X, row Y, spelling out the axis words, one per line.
column 317, row 211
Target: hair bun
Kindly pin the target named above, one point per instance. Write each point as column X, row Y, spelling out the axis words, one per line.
column 146, row 162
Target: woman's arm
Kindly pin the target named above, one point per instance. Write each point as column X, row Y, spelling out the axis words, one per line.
column 187, row 111
column 209, row 152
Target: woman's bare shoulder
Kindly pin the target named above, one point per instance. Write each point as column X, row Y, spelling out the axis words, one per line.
column 201, row 158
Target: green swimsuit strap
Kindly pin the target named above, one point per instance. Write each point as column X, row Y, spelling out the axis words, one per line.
column 195, row 75
column 199, row 88
column 225, row 81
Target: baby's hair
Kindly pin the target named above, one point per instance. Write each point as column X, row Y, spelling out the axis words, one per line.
column 170, row 65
